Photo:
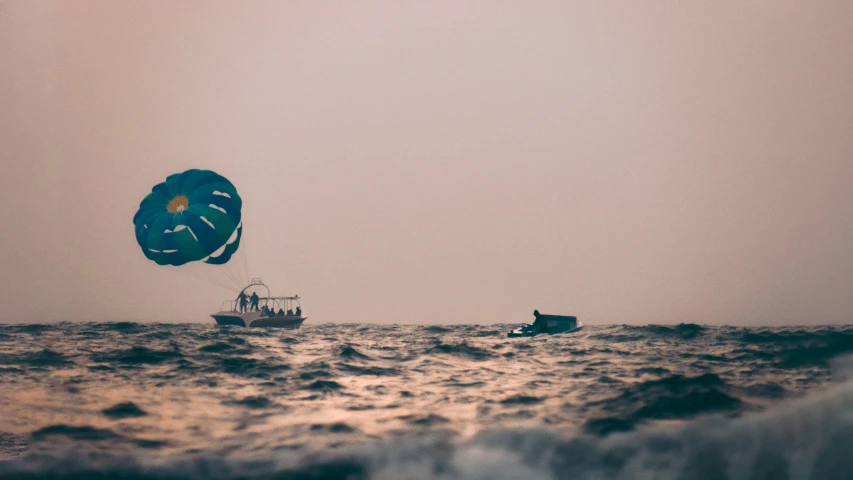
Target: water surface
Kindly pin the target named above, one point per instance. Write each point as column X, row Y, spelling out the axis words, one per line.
column 372, row 401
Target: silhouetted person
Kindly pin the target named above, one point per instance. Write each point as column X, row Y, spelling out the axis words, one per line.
column 243, row 301
column 255, row 301
column 537, row 324
column 289, row 311
column 298, row 311
column 281, row 311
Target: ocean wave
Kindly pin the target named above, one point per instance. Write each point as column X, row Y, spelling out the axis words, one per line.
column 673, row 397
column 124, row 327
column 137, row 356
column 414, row 402
column 250, row 367
column 461, row 349
column 807, row 440
column 348, row 351
column 124, row 410
column 41, row 358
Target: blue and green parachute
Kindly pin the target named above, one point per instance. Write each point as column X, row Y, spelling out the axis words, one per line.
column 193, row 216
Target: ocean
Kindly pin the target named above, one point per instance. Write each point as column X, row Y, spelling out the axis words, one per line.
column 351, row 401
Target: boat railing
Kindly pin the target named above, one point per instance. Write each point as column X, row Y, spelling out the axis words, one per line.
column 284, row 303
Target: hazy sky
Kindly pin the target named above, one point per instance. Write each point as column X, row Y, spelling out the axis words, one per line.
column 438, row 161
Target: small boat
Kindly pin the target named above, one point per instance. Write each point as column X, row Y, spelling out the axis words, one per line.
column 549, row 324
column 273, row 312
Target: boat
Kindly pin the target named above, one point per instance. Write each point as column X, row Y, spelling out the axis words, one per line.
column 549, row 324
column 272, row 312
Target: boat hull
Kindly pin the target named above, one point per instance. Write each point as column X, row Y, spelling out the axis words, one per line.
column 518, row 332
column 257, row 319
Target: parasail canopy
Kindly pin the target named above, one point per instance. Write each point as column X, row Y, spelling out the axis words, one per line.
column 193, row 216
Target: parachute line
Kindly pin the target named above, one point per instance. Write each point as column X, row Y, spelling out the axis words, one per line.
column 230, row 275
column 243, row 256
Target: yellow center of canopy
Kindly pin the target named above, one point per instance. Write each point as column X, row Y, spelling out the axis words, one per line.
column 178, row 204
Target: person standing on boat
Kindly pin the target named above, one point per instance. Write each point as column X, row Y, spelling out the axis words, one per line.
column 255, row 301
column 243, row 301
column 298, row 311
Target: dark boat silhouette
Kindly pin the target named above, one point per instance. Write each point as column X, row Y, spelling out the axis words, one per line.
column 549, row 324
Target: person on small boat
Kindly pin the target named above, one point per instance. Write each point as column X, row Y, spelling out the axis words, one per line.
column 298, row 311
column 255, row 299
column 265, row 310
column 290, row 311
column 243, row 301
column 281, row 311
column 537, row 324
